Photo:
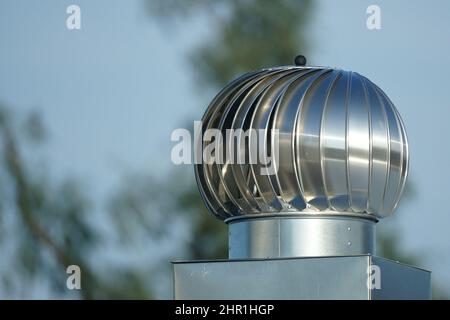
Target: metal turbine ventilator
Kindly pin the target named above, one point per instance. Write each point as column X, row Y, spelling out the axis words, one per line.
column 341, row 164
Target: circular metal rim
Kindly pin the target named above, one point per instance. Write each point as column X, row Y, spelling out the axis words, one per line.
column 303, row 215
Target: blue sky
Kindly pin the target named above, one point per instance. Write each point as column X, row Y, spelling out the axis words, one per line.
column 112, row 92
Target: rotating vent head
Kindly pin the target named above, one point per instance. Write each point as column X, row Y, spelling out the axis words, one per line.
column 341, row 145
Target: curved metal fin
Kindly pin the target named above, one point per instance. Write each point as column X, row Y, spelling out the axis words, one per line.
column 239, row 148
column 395, row 157
column 358, row 135
column 379, row 137
column 308, row 131
column 217, row 193
column 262, row 119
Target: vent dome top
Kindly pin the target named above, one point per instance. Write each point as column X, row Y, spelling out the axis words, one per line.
column 342, row 146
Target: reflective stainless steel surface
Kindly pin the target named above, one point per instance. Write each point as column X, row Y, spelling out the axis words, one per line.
column 299, row 278
column 300, row 235
column 342, row 145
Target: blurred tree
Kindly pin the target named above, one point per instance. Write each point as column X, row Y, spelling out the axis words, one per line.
column 246, row 35
column 46, row 226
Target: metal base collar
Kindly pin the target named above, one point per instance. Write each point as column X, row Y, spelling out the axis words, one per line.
column 308, row 235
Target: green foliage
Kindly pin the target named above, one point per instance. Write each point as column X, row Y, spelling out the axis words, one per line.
column 50, row 224
column 209, row 236
column 247, row 35
column 152, row 203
